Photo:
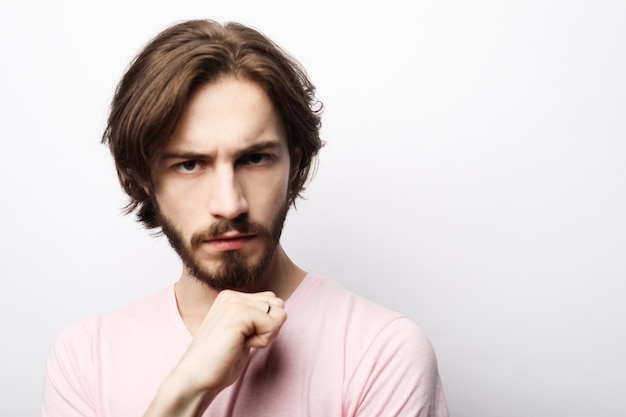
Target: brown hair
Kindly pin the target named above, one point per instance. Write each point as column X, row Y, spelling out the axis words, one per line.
column 153, row 92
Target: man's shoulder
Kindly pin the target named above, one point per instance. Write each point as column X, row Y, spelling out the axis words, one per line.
column 115, row 352
column 331, row 296
column 155, row 306
column 365, row 334
column 149, row 308
column 360, row 318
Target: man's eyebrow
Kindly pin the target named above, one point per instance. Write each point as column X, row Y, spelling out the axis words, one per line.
column 268, row 145
column 261, row 146
column 183, row 155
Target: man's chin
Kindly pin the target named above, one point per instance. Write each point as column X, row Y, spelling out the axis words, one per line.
column 233, row 276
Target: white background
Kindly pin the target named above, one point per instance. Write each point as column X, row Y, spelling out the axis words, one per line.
column 474, row 178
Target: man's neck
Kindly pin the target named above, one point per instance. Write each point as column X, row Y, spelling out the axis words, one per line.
column 194, row 298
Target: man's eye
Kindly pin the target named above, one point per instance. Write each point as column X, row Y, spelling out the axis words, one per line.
column 257, row 159
column 188, row 166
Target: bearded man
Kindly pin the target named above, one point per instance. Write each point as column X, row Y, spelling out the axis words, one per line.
column 214, row 129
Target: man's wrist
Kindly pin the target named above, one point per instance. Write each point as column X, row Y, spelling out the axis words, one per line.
column 177, row 398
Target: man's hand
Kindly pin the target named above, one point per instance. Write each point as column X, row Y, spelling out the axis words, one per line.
column 219, row 351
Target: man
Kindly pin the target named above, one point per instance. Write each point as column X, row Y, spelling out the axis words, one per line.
column 213, row 130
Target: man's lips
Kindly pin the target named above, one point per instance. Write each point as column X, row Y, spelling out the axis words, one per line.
column 228, row 242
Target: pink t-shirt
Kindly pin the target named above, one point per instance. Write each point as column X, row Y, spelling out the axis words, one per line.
column 337, row 355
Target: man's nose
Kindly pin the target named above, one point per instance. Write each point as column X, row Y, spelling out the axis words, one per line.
column 227, row 199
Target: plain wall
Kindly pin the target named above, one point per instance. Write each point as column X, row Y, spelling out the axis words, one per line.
column 474, row 178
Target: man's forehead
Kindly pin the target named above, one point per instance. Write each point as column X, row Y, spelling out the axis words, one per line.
column 228, row 114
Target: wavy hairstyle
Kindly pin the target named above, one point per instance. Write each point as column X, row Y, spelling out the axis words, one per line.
column 152, row 94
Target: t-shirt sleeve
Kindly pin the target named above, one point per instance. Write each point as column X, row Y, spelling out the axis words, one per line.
column 397, row 376
column 66, row 389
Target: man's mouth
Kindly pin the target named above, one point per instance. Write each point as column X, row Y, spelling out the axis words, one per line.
column 229, row 241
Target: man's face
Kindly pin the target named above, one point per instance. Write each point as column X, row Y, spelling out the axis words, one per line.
column 221, row 184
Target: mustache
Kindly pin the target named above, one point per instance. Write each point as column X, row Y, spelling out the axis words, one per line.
column 240, row 225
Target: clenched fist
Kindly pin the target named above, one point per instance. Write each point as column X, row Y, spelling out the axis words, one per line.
column 219, row 351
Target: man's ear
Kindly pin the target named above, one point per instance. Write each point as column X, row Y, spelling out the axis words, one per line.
column 296, row 158
column 148, row 187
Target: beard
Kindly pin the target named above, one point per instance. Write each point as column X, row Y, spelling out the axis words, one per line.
column 233, row 270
